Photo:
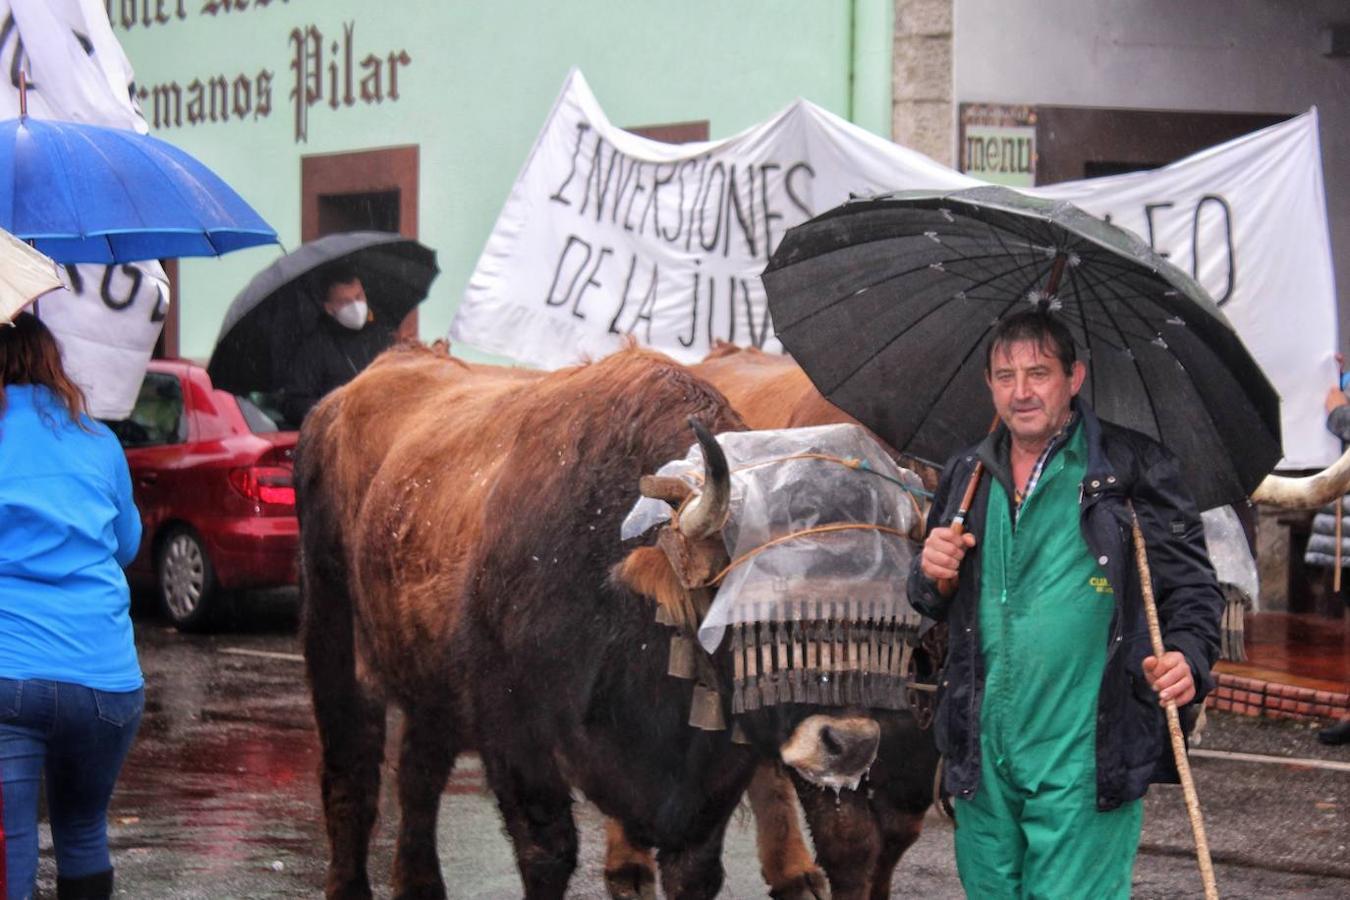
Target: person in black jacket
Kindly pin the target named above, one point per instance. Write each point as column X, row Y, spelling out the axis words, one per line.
column 1049, row 716
column 1338, row 423
column 346, row 340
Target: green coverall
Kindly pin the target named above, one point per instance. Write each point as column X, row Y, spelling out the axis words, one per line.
column 1032, row 828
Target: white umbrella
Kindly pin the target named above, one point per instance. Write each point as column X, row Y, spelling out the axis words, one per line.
column 25, row 275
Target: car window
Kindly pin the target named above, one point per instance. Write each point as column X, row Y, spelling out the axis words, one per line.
column 157, row 418
column 261, row 417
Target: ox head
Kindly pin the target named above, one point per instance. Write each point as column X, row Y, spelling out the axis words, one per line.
column 831, row 747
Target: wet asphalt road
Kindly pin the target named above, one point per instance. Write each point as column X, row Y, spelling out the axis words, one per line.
column 219, row 798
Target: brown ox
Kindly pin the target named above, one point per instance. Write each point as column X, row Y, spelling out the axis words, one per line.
column 458, row 529
column 768, row 390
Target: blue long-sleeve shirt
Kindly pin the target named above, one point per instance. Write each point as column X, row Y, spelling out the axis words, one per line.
column 67, row 526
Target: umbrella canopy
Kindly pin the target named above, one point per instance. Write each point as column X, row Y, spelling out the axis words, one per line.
column 25, row 275
column 281, row 304
column 84, row 193
column 888, row 303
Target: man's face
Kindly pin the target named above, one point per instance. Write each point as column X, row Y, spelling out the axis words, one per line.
column 343, row 294
column 1031, row 391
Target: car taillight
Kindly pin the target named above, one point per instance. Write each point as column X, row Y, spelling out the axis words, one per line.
column 265, row 484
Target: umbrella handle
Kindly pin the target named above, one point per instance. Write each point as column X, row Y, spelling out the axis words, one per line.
column 947, row 586
column 1173, row 718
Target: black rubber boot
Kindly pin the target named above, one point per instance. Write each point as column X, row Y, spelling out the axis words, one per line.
column 1336, row 734
column 87, row 887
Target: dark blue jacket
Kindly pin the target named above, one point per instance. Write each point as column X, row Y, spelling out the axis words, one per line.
column 1122, row 465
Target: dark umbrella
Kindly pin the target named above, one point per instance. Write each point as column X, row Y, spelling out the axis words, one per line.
column 84, row 193
column 887, row 303
column 280, row 304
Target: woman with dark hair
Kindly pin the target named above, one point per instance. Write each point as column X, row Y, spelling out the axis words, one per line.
column 71, row 690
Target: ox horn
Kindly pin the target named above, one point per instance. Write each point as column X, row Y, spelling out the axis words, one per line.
column 706, row 513
column 1312, row 492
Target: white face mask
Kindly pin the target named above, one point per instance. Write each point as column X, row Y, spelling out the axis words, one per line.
column 353, row 315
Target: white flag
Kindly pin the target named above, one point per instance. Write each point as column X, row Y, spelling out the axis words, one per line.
column 78, row 72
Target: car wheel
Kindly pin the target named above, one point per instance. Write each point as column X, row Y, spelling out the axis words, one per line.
column 187, row 581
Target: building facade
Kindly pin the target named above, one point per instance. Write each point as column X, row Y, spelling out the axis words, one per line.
column 415, row 116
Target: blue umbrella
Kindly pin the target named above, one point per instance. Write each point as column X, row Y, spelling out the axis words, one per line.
column 84, row 193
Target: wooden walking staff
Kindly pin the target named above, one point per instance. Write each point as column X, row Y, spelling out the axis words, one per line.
column 1174, row 718
column 1340, row 512
column 1336, row 575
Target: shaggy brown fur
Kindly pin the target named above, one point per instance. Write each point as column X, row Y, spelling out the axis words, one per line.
column 769, row 390
column 647, row 572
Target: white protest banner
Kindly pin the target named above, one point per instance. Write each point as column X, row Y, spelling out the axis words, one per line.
column 107, row 325
column 1248, row 220
column 606, row 234
column 109, row 322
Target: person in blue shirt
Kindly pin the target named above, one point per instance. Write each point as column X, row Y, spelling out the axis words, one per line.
column 71, row 690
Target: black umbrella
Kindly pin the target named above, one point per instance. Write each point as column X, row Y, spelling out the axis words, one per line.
column 887, row 303
column 281, row 304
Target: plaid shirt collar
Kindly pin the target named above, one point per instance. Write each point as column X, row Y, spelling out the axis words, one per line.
column 1055, row 442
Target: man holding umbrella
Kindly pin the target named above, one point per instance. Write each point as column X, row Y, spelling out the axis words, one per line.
column 346, row 340
column 1048, row 721
column 890, row 303
column 315, row 317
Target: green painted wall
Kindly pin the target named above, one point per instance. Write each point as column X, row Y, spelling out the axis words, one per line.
column 481, row 77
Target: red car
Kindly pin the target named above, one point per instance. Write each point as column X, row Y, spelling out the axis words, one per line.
column 212, row 478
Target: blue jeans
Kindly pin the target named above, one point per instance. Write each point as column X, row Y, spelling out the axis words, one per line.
column 80, row 736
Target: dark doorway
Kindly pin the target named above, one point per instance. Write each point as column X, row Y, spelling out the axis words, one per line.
column 377, row 211
column 1075, row 142
column 1102, row 169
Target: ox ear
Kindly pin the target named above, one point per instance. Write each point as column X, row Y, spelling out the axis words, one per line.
column 647, row 572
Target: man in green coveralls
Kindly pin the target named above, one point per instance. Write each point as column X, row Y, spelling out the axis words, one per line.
column 1050, row 718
